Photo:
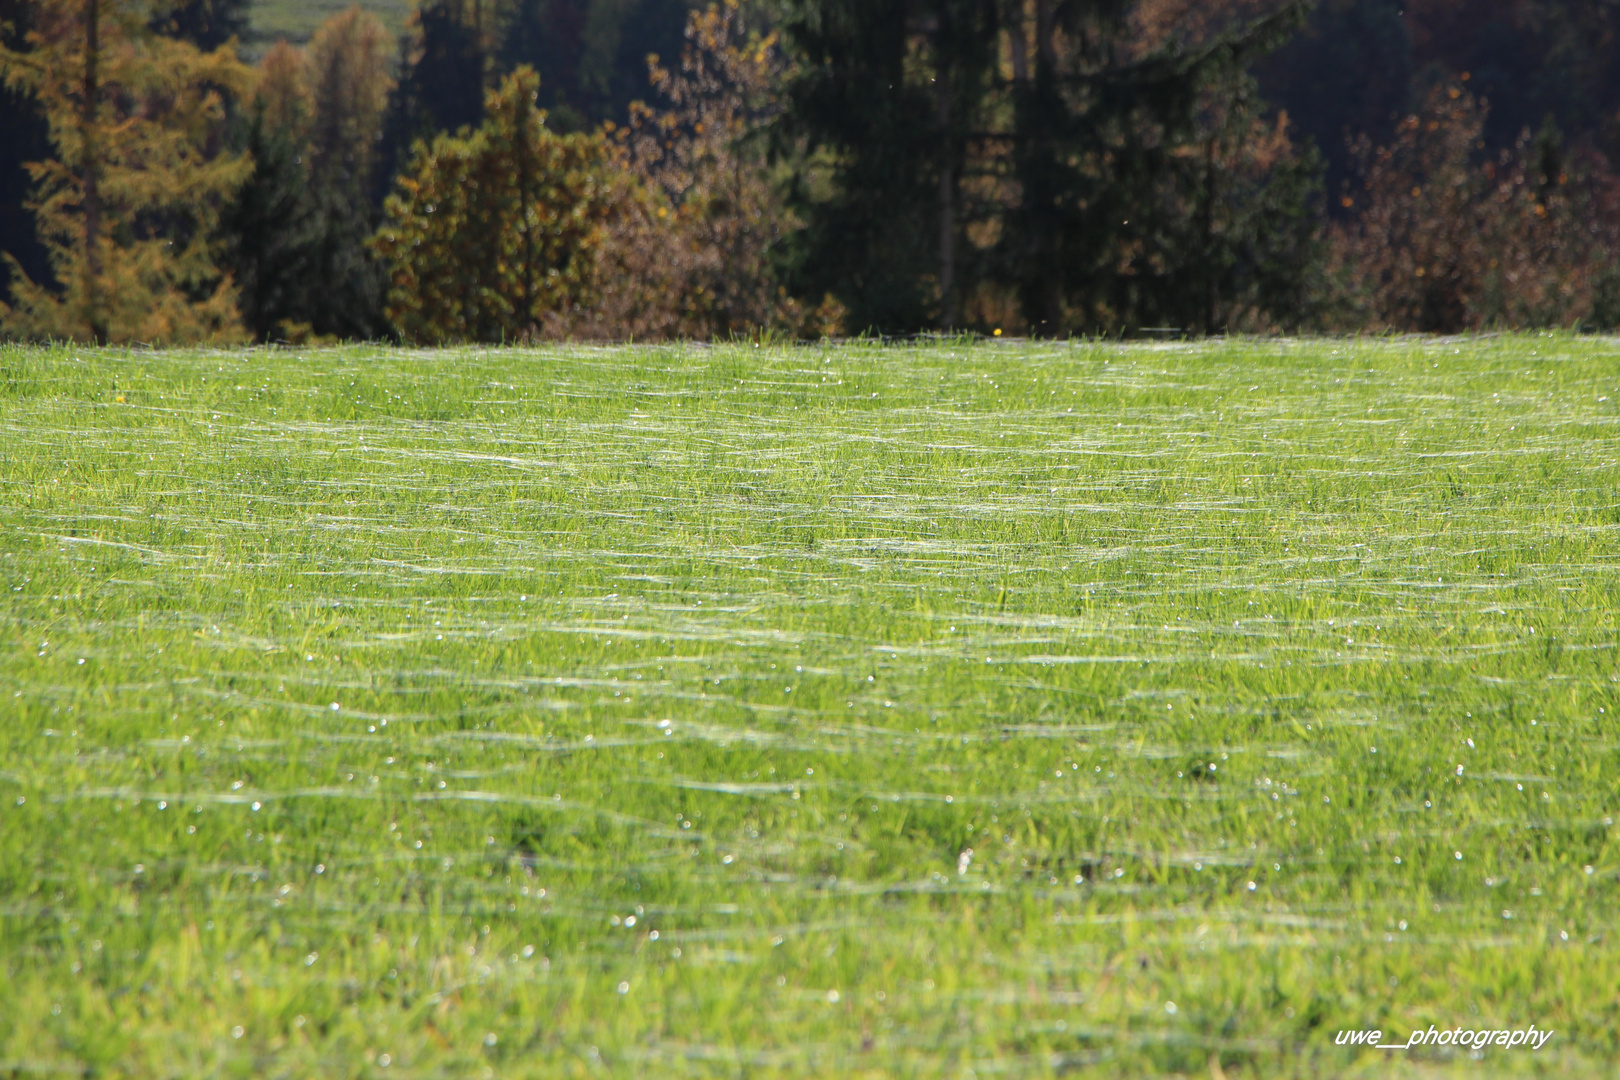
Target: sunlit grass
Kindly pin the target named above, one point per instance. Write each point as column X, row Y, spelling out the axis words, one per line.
column 296, row 20
column 960, row 709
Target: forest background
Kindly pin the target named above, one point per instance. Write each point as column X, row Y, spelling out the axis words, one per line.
column 227, row 170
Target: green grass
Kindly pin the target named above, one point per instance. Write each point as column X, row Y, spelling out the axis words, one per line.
column 355, row 700
column 296, row 20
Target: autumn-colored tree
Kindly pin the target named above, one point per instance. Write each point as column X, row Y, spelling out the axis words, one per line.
column 349, row 86
column 490, row 233
column 282, row 93
column 127, row 208
column 1450, row 239
column 296, row 234
column 695, row 259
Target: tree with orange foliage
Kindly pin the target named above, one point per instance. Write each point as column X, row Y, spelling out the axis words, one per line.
column 491, row 233
column 695, row 259
column 128, row 206
column 1445, row 241
column 297, row 233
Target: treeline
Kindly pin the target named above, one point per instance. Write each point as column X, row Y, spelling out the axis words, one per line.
column 1044, row 167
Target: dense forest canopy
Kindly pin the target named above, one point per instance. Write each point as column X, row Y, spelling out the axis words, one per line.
column 1025, row 166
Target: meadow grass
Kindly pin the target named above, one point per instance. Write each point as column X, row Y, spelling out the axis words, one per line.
column 894, row 711
column 296, row 20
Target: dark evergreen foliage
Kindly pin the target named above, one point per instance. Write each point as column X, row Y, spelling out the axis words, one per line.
column 549, row 36
column 272, row 234
column 885, row 241
column 445, row 84
column 1117, row 187
column 1133, row 213
column 207, row 24
column 297, row 250
column 592, row 57
column 444, row 60
column 1346, row 73
column 24, row 137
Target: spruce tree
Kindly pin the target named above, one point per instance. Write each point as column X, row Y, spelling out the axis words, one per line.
column 128, row 206
column 24, row 134
column 491, row 232
column 207, row 24
column 298, row 230
column 591, row 54
column 549, row 36
column 892, row 93
column 273, row 234
column 1061, row 166
column 1143, row 201
column 444, row 66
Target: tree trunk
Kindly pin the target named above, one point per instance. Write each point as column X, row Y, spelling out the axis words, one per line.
column 1017, row 44
column 1209, row 237
column 94, row 315
column 1044, row 296
column 1045, row 46
column 947, row 207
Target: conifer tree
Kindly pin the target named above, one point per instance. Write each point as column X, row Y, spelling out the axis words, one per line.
column 1133, row 151
column 591, row 54
column 1062, row 165
column 273, row 231
column 207, row 24
column 24, row 136
column 128, row 206
column 890, row 92
column 282, row 91
column 297, row 232
column 549, row 36
column 490, row 233
column 349, row 84
column 444, row 65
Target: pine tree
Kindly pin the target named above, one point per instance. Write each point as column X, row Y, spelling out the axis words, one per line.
column 24, row 135
column 549, row 36
column 273, row 232
column 298, row 230
column 891, row 93
column 591, row 54
column 490, row 233
column 444, row 68
column 1075, row 166
column 128, row 207
column 207, row 24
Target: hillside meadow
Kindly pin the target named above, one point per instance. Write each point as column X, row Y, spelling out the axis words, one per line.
column 940, row 710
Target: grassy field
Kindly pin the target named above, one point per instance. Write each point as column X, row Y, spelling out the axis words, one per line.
column 954, row 710
column 296, row 20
